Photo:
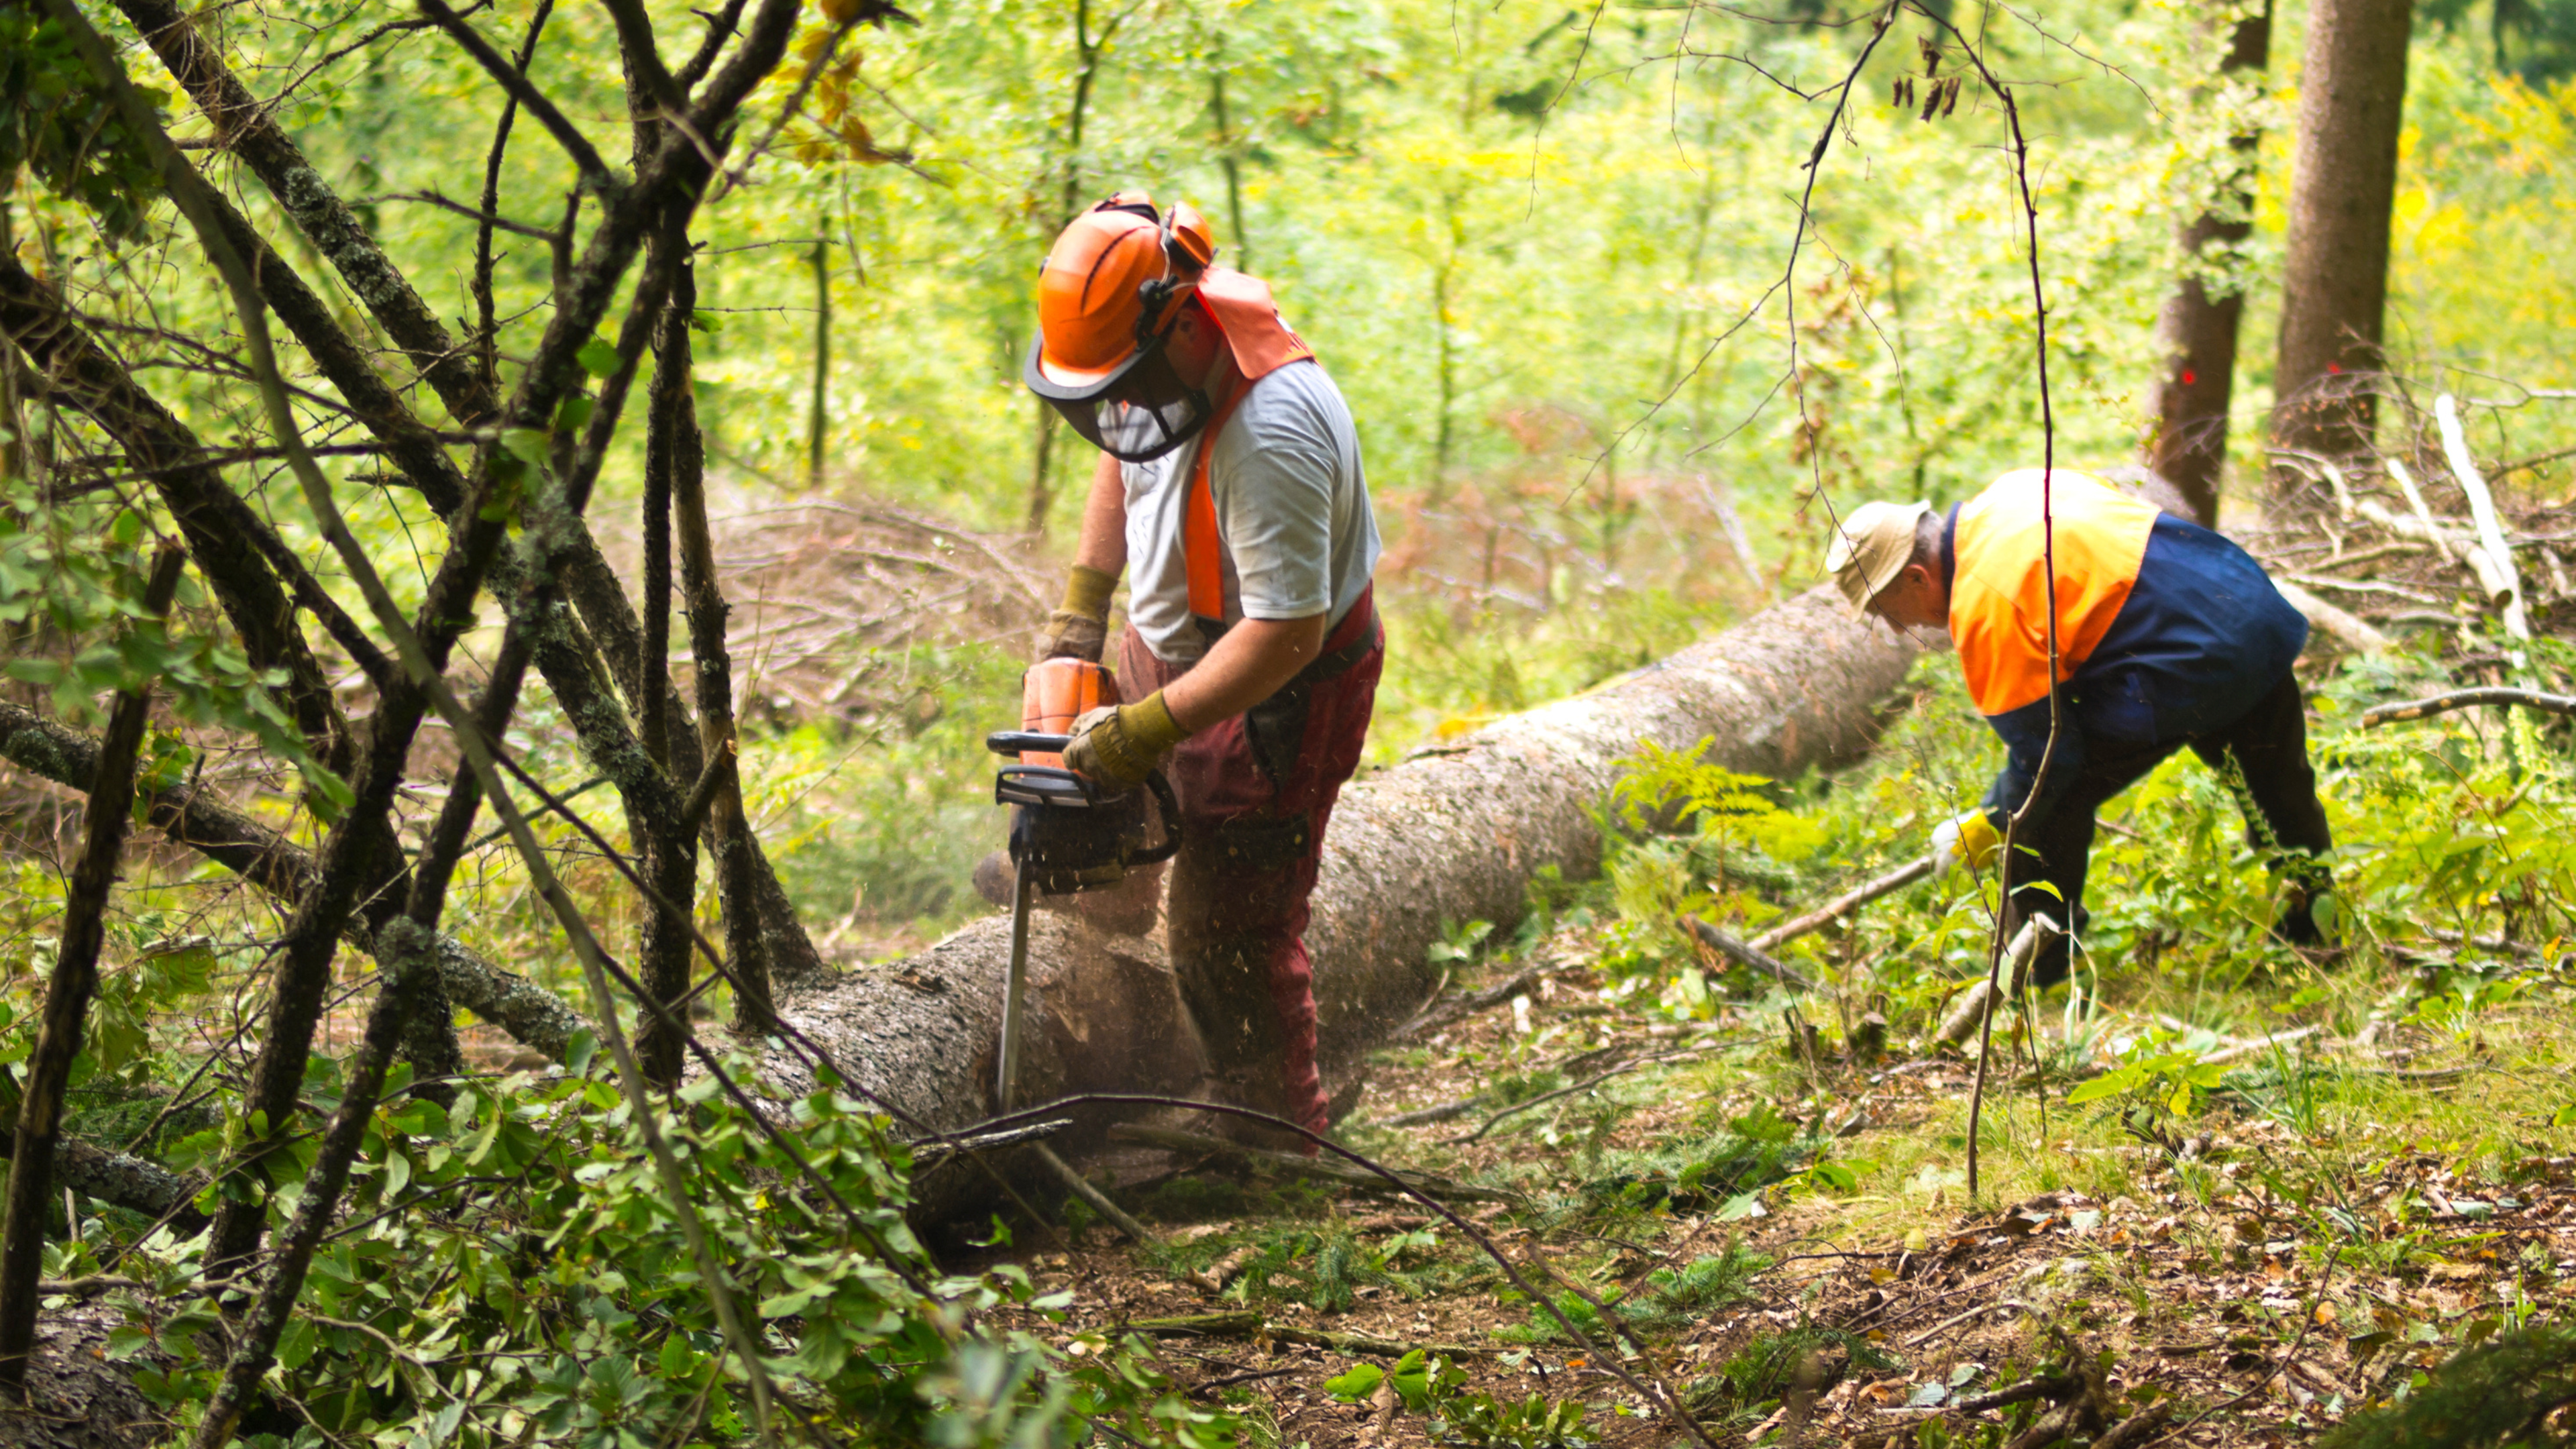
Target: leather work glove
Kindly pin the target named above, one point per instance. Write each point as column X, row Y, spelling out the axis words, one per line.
column 1119, row 744
column 1079, row 627
column 1971, row 838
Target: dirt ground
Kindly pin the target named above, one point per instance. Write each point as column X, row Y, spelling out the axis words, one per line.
column 2200, row 1305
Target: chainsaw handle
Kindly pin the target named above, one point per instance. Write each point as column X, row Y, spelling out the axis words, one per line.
column 1022, row 742
column 1168, row 805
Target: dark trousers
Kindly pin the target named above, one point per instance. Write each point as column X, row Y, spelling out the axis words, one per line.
column 2268, row 747
column 1256, row 793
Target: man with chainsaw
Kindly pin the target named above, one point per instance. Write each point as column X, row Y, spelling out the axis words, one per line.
column 2166, row 634
column 1230, row 491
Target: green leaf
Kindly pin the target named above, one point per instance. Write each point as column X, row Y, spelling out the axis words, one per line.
column 525, row 444
column 126, row 1340
column 575, row 411
column 599, row 358
column 2109, row 1084
column 35, row 671
column 300, row 1341
column 1356, row 1385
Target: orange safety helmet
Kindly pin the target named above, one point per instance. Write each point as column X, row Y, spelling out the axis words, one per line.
column 1107, row 297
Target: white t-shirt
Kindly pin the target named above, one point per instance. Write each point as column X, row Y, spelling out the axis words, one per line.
column 1292, row 508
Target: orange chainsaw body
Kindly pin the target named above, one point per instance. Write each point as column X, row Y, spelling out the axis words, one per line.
column 1056, row 692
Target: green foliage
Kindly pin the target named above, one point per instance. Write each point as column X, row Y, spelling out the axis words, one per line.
column 59, row 124
column 1675, row 1297
column 1719, row 1171
column 1704, row 841
column 1534, row 1422
column 1436, row 1387
column 2499, row 1395
column 1418, row 1380
column 71, row 611
column 511, row 1270
column 2164, row 1079
column 1763, row 1370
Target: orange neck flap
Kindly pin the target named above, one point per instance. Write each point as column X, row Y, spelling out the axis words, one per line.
column 1262, row 344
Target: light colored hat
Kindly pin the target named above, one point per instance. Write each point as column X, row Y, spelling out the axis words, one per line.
column 1872, row 548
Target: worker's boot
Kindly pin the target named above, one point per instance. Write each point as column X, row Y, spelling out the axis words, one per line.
column 2310, row 913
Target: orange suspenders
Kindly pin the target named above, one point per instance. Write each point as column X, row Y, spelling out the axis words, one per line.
column 1262, row 344
column 1200, row 545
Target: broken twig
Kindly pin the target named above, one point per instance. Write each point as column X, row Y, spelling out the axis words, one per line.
column 1843, row 905
column 2465, row 698
column 1744, row 953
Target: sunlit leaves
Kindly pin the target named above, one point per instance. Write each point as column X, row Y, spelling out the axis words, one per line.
column 56, row 122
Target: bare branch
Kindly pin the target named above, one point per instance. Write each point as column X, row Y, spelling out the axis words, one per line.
column 594, row 170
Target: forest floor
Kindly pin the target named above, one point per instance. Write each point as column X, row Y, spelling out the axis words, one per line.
column 1784, row 1240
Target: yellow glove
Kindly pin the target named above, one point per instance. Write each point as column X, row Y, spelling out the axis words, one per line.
column 1118, row 745
column 1080, row 625
column 1971, row 837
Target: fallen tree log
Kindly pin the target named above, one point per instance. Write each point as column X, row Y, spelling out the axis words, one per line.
column 1454, row 833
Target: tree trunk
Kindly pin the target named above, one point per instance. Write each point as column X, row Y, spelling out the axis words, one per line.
column 1455, row 833
column 2197, row 329
column 2343, row 180
column 77, row 1397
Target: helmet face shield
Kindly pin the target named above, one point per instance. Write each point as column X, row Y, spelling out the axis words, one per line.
column 1136, row 413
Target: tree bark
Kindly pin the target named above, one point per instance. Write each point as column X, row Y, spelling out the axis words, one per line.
column 2198, row 326
column 2343, row 181
column 1454, row 833
column 65, row 1014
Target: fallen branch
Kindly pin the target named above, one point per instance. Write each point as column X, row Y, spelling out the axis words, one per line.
column 1970, row 1009
column 2440, row 537
column 121, row 1179
column 2463, row 699
column 1173, row 1139
column 2238, row 1050
column 1253, row 1325
column 1843, row 905
column 1954, row 1320
column 1654, row 1389
column 2344, row 627
column 1590, row 1082
column 1100, row 1202
column 1744, row 953
column 1425, row 1116
column 2491, row 541
column 1485, row 1000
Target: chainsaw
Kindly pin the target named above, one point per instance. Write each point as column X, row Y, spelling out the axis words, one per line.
column 1067, row 833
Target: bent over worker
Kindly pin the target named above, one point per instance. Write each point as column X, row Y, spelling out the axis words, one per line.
column 2167, row 635
column 1230, row 490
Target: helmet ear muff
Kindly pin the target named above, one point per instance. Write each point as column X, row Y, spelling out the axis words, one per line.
column 1162, row 298
column 1189, row 242
column 1189, row 248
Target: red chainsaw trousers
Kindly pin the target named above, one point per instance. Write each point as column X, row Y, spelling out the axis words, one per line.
column 1256, row 792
